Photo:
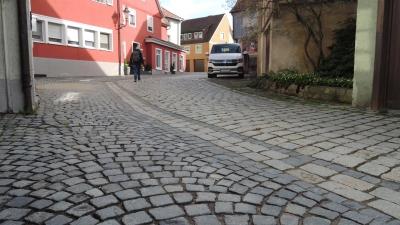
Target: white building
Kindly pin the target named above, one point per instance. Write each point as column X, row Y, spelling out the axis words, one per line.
column 174, row 31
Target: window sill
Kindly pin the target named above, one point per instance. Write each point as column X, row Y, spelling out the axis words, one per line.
column 104, row 49
column 75, row 46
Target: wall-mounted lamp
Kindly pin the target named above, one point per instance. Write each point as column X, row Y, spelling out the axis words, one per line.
column 126, row 14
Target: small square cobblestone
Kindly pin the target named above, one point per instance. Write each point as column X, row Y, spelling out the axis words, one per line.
column 197, row 210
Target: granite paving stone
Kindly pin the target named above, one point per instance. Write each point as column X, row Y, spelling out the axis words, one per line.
column 38, row 217
column 80, row 210
column 239, row 219
column 263, row 220
column 271, row 210
column 167, row 212
column 161, row 200
column 136, row 218
column 208, row 219
column 58, row 220
column 245, row 208
column 110, row 212
column 197, row 210
column 136, row 204
column 316, row 221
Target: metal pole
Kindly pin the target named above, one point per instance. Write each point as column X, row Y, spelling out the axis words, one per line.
column 24, row 51
column 119, row 37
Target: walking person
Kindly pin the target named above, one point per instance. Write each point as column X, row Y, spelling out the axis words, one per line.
column 136, row 61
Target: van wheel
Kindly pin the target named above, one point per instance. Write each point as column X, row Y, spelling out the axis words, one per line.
column 210, row 75
column 241, row 75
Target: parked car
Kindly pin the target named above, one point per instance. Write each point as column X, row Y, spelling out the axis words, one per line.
column 225, row 59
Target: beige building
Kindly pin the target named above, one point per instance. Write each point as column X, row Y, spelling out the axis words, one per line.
column 197, row 37
column 282, row 45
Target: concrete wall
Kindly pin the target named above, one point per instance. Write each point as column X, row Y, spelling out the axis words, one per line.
column 364, row 53
column 11, row 95
column 288, row 37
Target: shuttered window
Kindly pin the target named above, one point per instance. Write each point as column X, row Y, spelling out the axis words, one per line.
column 104, row 41
column 55, row 32
column 89, row 38
column 73, row 35
column 132, row 18
column 200, row 34
column 150, row 26
column 38, row 34
column 109, row 2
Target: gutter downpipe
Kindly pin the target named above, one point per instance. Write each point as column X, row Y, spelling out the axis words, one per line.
column 119, row 36
column 24, row 53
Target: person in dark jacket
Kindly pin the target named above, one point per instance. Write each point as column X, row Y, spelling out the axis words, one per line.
column 136, row 62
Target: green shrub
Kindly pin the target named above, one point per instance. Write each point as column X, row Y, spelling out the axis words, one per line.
column 340, row 62
column 285, row 79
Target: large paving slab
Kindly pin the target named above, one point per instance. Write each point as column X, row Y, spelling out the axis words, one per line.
column 181, row 150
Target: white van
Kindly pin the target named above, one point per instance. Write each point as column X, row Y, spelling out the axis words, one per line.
column 225, row 59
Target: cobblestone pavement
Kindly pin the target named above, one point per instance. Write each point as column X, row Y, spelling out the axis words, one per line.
column 181, row 150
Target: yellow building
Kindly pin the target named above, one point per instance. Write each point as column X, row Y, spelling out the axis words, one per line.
column 198, row 36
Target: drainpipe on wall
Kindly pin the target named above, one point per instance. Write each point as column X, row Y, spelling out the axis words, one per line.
column 119, row 36
column 24, row 53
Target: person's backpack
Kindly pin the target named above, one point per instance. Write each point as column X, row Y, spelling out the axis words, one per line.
column 135, row 56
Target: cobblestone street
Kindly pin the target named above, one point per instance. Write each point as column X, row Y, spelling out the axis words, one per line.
column 182, row 150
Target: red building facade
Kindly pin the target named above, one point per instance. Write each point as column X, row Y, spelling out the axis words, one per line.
column 80, row 37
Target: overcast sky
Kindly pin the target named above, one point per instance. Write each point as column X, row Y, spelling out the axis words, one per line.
column 189, row 9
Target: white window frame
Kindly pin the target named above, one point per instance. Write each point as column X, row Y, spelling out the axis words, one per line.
column 36, row 31
column 197, row 48
column 174, row 60
column 222, row 36
column 79, row 38
column 108, row 2
column 82, row 27
column 132, row 12
column 181, row 62
column 185, row 36
column 200, row 35
column 158, row 53
column 150, row 24
column 109, row 41
column 167, row 61
column 187, row 48
column 181, row 36
column 196, row 35
column 62, row 37
column 85, row 39
column 189, row 36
